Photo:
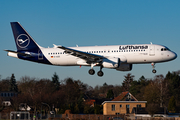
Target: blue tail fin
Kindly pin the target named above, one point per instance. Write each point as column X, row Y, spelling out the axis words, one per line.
column 22, row 39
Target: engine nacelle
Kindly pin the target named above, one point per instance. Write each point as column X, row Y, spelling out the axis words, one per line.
column 111, row 62
column 124, row 67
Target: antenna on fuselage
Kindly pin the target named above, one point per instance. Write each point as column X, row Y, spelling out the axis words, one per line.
column 151, row 43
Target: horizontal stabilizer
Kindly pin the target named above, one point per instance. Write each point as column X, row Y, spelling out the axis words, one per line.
column 23, row 54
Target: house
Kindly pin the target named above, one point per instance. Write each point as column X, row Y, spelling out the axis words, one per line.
column 6, row 97
column 88, row 101
column 24, row 107
column 122, row 104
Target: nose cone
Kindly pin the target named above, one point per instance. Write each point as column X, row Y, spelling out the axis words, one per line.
column 173, row 56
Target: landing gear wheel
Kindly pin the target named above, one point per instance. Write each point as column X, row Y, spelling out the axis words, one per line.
column 100, row 73
column 153, row 66
column 154, row 71
column 91, row 71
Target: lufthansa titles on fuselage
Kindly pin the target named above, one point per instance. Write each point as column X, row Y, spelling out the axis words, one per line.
column 132, row 47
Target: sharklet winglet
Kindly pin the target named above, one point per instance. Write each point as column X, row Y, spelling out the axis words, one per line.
column 55, row 46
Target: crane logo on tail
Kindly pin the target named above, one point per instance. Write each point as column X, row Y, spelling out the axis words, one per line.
column 22, row 40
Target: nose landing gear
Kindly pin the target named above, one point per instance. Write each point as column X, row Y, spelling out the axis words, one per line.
column 153, row 66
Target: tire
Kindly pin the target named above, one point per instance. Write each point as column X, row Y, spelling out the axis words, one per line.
column 154, row 71
column 91, row 71
column 100, row 73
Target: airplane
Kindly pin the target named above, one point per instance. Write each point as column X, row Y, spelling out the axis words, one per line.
column 119, row 57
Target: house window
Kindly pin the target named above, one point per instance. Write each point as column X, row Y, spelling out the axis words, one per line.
column 139, row 106
column 113, row 107
column 120, row 106
column 127, row 106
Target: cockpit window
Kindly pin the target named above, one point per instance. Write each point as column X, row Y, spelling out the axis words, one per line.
column 165, row 49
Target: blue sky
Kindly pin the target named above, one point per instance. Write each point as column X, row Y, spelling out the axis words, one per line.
column 89, row 23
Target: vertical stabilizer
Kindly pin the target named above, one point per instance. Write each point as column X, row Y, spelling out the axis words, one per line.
column 22, row 39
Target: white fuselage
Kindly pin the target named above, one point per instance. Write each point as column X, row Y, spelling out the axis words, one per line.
column 153, row 53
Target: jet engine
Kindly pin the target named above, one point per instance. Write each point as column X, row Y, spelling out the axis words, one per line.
column 111, row 62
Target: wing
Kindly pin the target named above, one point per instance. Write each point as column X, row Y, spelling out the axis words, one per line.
column 89, row 57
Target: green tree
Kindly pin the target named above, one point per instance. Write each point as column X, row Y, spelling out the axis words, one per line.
column 86, row 109
column 13, row 84
column 127, row 82
column 110, row 94
column 172, row 105
column 105, row 84
column 173, row 85
column 73, row 89
column 98, row 109
column 76, row 109
column 55, row 81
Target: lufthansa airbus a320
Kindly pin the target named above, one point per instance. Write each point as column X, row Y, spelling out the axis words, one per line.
column 119, row 57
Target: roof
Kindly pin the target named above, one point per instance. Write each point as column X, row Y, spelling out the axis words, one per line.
column 124, row 97
column 90, row 102
column 124, row 102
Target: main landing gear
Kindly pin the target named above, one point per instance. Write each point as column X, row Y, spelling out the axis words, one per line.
column 153, row 66
column 99, row 73
column 91, row 71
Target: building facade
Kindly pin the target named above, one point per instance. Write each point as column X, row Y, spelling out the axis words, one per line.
column 123, row 104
